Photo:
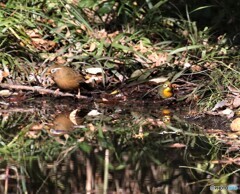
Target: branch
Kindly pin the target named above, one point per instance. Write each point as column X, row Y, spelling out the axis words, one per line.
column 38, row 89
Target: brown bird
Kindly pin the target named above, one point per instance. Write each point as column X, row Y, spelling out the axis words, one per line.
column 65, row 77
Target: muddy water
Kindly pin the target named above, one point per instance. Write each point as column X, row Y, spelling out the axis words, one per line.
column 68, row 146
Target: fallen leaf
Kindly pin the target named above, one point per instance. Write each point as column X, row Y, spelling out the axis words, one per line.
column 227, row 112
column 93, row 113
column 3, row 74
column 94, row 70
column 141, row 74
column 43, row 45
column 196, row 68
column 92, row 46
column 158, row 59
column 232, row 148
column 91, row 127
column 219, row 105
column 159, row 80
column 235, row 125
column 5, row 93
column 234, row 90
column 33, row 33
column 39, row 42
column 177, row 145
column 36, row 127
column 72, row 116
column 232, row 136
column 236, row 102
column 140, row 47
column 138, row 136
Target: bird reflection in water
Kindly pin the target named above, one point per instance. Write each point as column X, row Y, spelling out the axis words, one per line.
column 64, row 123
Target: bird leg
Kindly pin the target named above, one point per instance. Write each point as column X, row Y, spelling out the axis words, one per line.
column 56, row 92
column 79, row 94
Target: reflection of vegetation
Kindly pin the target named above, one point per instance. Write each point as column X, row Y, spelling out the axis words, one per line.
column 166, row 155
column 12, row 124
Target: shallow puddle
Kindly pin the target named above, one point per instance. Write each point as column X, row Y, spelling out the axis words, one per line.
column 67, row 146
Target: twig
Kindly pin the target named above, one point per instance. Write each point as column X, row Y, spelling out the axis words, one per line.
column 38, row 89
column 18, row 110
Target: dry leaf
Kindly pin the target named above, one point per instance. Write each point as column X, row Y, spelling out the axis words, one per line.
column 5, row 93
column 36, row 127
column 92, row 47
column 236, row 102
column 235, row 125
column 114, row 34
column 227, row 112
column 3, row 74
column 33, row 33
column 177, row 145
column 93, row 113
column 138, row 136
column 234, row 90
column 142, row 74
column 162, row 58
column 39, row 42
column 94, row 79
column 159, row 80
column 72, row 116
column 158, row 59
column 91, row 127
column 140, row 47
column 196, row 68
column 94, row 70
column 232, row 136
column 219, row 105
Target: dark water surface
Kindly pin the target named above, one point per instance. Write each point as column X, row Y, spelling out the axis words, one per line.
column 68, row 146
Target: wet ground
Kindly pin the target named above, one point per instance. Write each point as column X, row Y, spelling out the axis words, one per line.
column 63, row 145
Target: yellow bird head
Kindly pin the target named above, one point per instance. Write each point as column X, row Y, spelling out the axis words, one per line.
column 165, row 91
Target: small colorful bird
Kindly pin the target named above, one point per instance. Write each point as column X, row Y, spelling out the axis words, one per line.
column 165, row 91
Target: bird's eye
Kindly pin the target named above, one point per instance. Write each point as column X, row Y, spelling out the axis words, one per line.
column 54, row 70
column 165, row 85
